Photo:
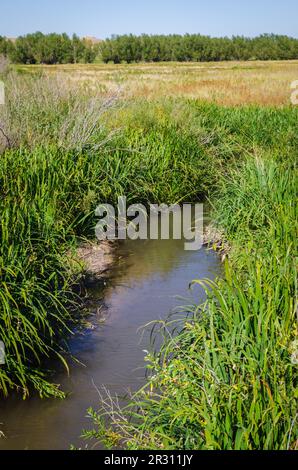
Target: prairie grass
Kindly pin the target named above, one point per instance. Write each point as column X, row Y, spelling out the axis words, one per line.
column 228, row 379
column 41, row 110
column 225, row 83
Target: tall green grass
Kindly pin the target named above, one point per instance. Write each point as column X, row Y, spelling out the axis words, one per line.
column 228, row 380
column 48, row 196
column 48, row 201
column 73, row 149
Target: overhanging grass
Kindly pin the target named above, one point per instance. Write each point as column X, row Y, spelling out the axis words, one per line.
column 48, row 201
column 229, row 379
column 164, row 152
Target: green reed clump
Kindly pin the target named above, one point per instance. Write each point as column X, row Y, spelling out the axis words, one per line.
column 228, row 380
column 223, row 132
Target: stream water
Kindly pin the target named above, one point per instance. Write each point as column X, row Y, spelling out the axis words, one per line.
column 143, row 286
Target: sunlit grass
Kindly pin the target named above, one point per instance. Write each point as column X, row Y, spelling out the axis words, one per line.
column 225, row 83
column 228, row 380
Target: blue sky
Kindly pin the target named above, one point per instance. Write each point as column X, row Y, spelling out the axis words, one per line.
column 103, row 18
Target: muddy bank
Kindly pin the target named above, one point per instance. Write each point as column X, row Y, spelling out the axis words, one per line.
column 214, row 239
column 96, row 259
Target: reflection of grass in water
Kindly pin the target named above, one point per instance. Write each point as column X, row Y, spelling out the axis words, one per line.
column 153, row 258
column 158, row 257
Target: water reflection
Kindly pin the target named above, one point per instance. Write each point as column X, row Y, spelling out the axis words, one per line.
column 143, row 287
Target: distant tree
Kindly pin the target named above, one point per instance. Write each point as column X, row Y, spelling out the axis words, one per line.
column 54, row 48
column 195, row 47
column 3, row 46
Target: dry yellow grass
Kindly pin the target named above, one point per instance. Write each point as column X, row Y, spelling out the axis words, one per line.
column 226, row 83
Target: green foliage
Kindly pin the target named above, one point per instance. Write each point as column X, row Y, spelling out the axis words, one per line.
column 167, row 151
column 228, row 380
column 48, row 199
column 53, row 48
column 4, row 46
column 49, row 189
column 197, row 48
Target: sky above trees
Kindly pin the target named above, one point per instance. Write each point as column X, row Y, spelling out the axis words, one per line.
column 102, row 18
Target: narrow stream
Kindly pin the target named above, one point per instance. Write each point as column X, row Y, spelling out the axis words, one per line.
column 143, row 286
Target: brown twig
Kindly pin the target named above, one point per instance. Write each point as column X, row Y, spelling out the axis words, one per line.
column 8, row 141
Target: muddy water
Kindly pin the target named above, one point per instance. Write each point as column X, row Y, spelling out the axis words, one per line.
column 143, row 286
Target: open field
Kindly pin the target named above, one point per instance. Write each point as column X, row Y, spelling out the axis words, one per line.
column 225, row 83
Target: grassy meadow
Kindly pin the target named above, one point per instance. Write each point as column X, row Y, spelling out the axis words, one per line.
column 265, row 83
column 76, row 136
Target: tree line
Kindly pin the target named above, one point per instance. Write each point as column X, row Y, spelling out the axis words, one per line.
column 39, row 48
column 55, row 48
column 194, row 47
